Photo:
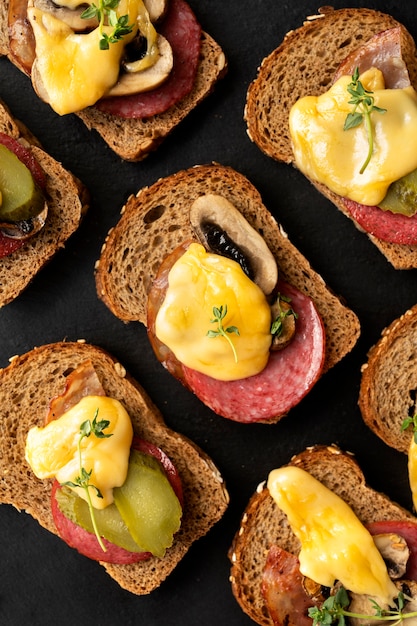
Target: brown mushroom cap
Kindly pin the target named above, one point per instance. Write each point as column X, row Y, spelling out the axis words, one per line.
column 215, row 209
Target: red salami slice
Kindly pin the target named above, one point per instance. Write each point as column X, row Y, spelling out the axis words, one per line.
column 408, row 531
column 283, row 591
column 181, row 28
column 287, row 378
column 387, row 226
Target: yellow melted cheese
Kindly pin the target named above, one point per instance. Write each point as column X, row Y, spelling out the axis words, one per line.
column 334, row 543
column 330, row 155
column 75, row 73
column 197, row 282
column 52, row 451
column 412, row 470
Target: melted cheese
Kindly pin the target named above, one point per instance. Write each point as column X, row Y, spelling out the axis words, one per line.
column 412, row 469
column 52, row 451
column 330, row 155
column 199, row 281
column 334, row 543
column 74, row 71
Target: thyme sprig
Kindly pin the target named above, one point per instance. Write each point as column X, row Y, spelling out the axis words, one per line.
column 363, row 105
column 104, row 11
column 277, row 325
column 334, row 611
column 410, row 421
column 219, row 315
column 82, row 481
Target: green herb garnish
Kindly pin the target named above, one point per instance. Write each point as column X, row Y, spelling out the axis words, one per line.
column 82, row 481
column 410, row 421
column 277, row 325
column 106, row 11
column 219, row 315
column 363, row 106
column 334, row 611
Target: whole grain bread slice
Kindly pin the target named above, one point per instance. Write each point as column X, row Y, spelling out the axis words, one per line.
column 133, row 139
column 67, row 200
column 156, row 221
column 304, row 64
column 389, row 382
column 26, row 387
column 264, row 524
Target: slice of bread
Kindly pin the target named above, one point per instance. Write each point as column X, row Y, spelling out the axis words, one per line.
column 26, row 387
column 156, row 221
column 264, row 524
column 67, row 201
column 389, row 382
column 304, row 64
column 133, row 139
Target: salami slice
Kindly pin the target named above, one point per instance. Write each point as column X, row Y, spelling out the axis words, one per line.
column 287, row 378
column 387, row 226
column 181, row 28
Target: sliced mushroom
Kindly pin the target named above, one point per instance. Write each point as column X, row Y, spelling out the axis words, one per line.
column 284, row 318
column 145, row 80
column 362, row 604
column 395, row 552
column 214, row 210
column 156, row 9
column 71, row 16
column 25, row 228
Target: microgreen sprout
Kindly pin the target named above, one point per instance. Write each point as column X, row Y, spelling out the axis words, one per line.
column 410, row 421
column 82, row 481
column 363, row 106
column 105, row 10
column 219, row 315
column 277, row 325
column 334, row 611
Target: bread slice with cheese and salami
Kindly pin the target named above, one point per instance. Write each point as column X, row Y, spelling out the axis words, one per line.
column 337, row 99
column 74, row 421
column 315, row 535
column 131, row 72
column 233, row 310
column 41, row 206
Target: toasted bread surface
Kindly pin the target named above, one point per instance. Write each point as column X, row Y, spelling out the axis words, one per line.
column 67, row 201
column 26, row 387
column 264, row 524
column 133, row 139
column 156, row 221
column 316, row 49
column 389, row 382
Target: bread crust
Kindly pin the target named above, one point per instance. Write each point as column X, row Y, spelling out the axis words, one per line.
column 389, row 381
column 263, row 524
column 26, row 387
column 316, row 49
column 133, row 139
column 158, row 218
column 67, row 199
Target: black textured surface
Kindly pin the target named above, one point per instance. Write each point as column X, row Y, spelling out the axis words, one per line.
column 42, row 581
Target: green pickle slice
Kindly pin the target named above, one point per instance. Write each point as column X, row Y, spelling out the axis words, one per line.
column 148, row 504
column 145, row 514
column 21, row 198
column 402, row 195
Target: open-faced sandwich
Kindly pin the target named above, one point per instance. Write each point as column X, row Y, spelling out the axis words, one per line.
column 88, row 455
column 130, row 69
column 233, row 310
column 337, row 99
column 387, row 398
column 318, row 546
column 41, row 205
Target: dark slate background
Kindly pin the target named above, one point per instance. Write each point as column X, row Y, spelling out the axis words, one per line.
column 42, row 581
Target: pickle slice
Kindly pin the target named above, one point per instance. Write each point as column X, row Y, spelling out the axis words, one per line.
column 22, row 199
column 148, row 504
column 402, row 195
column 109, row 522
